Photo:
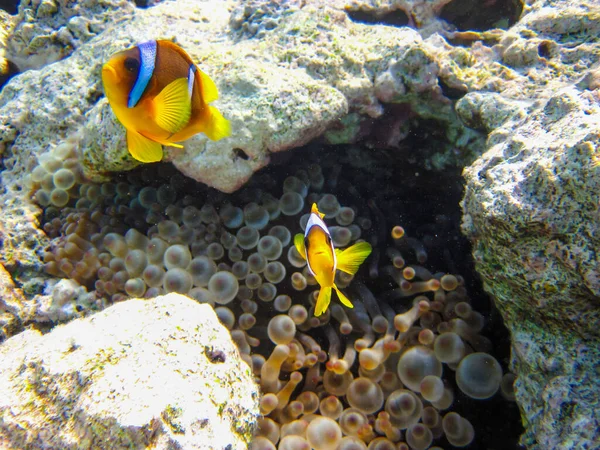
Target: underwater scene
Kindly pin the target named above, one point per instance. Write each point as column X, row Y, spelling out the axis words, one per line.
column 300, row 224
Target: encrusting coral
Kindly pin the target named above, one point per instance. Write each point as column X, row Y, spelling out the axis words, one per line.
column 378, row 375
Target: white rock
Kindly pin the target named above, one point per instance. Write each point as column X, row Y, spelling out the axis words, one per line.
column 162, row 373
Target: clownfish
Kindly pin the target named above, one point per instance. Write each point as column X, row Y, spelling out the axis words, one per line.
column 317, row 248
column 161, row 97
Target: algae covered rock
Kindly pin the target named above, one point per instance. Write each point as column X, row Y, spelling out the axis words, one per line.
column 14, row 309
column 160, row 373
column 46, row 31
column 531, row 211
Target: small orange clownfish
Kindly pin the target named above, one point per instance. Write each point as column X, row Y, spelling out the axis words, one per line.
column 323, row 260
column 161, row 97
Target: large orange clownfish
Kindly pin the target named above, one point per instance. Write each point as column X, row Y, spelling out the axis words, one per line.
column 161, row 97
column 323, row 259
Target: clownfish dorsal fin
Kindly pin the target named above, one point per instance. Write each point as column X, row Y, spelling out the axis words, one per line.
column 315, row 210
column 350, row 259
column 299, row 244
column 173, row 106
column 142, row 148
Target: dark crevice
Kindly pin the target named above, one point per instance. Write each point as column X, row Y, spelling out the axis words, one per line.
column 144, row 3
column 451, row 92
column 241, row 154
column 396, row 18
column 545, row 49
column 10, row 6
column 8, row 69
column 475, row 15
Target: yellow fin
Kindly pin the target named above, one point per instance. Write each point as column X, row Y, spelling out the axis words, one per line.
column 323, row 301
column 350, row 259
column 142, row 148
column 173, row 106
column 299, row 244
column 343, row 298
column 208, row 87
column 214, row 125
column 315, row 210
column 161, row 141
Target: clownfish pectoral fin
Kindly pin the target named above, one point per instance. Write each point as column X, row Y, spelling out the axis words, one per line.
column 173, row 106
column 207, row 87
column 213, row 124
column 142, row 148
column 343, row 298
column 350, row 259
column 323, row 300
column 299, row 244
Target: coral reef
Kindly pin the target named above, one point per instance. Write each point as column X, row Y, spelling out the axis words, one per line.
column 543, row 228
column 380, row 374
column 160, row 373
column 289, row 73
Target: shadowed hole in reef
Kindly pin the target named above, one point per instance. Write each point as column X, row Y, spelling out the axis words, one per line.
column 396, row 18
column 426, row 204
column 477, row 15
column 10, row 6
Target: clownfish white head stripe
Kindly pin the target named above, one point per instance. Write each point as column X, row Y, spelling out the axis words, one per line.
column 315, row 220
column 147, row 63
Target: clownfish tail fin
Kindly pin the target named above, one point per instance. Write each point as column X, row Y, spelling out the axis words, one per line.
column 350, row 259
column 343, row 298
column 323, row 300
column 214, row 125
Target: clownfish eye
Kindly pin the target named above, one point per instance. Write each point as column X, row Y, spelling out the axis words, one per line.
column 132, row 65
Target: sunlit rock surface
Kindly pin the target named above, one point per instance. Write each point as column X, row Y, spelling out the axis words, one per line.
column 160, row 373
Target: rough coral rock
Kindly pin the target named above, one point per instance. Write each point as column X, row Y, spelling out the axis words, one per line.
column 531, row 210
column 46, row 31
column 13, row 306
column 315, row 67
column 160, row 373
